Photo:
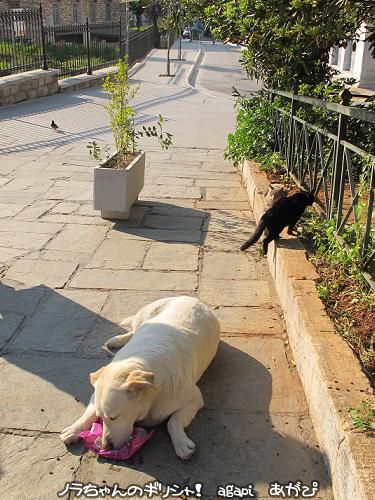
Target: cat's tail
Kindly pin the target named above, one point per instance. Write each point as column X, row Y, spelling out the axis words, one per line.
column 255, row 236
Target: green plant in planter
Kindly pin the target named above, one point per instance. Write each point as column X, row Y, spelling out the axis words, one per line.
column 122, row 119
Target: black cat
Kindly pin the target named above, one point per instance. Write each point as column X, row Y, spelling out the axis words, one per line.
column 285, row 212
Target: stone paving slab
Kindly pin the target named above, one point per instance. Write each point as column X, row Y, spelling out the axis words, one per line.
column 9, row 323
column 222, row 205
column 172, row 257
column 115, row 253
column 168, row 181
column 18, row 197
column 229, row 220
column 51, row 391
column 170, row 192
column 28, row 241
column 222, row 292
column 231, row 448
column 33, row 212
column 249, row 320
column 46, row 466
column 230, row 266
column 218, row 183
column 248, row 384
column 120, row 304
column 225, row 194
column 182, row 236
column 61, row 322
column 133, row 280
column 76, row 219
column 41, row 272
column 8, row 254
column 30, row 227
column 172, row 222
column 61, row 255
column 225, row 241
column 7, row 210
column 78, row 238
column 173, row 207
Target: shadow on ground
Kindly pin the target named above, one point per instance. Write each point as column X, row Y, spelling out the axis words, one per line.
column 234, row 445
column 237, row 439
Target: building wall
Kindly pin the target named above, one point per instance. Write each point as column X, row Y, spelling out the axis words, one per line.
column 65, row 9
column 358, row 63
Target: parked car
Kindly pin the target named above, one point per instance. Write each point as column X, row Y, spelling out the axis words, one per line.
column 186, row 33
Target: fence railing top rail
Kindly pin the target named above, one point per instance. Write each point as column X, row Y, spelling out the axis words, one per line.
column 351, row 111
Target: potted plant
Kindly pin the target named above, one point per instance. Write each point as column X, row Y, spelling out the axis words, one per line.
column 119, row 178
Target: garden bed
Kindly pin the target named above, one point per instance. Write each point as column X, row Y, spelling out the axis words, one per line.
column 338, row 393
column 348, row 300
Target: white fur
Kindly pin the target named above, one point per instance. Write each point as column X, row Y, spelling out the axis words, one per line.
column 154, row 375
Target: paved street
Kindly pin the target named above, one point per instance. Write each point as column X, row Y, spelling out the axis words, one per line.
column 69, row 277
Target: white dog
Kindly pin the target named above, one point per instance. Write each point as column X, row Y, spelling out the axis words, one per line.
column 154, row 375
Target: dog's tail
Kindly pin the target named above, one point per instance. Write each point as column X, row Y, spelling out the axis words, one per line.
column 117, row 342
column 255, row 236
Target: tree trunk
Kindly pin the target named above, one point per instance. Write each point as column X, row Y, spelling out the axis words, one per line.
column 156, row 32
column 179, row 48
column 168, row 55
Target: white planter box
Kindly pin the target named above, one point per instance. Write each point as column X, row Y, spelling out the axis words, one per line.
column 116, row 189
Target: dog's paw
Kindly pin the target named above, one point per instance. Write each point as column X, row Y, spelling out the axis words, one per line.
column 69, row 435
column 185, row 448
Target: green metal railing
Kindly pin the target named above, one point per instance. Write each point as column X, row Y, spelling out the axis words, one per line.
column 341, row 173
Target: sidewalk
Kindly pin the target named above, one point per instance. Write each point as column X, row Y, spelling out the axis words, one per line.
column 68, row 278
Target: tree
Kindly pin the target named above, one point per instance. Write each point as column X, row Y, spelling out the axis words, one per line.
column 174, row 14
column 287, row 41
column 137, row 8
column 153, row 9
column 365, row 11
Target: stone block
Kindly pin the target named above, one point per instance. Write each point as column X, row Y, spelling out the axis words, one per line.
column 61, row 322
column 221, row 292
column 41, row 272
column 134, row 280
column 172, row 257
column 228, row 266
column 79, row 238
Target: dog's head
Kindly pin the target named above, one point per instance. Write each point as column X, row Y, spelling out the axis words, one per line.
column 122, row 397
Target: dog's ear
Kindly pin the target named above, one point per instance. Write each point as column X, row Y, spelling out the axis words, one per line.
column 95, row 375
column 138, row 382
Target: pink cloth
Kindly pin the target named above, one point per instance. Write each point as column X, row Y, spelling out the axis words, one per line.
column 91, row 437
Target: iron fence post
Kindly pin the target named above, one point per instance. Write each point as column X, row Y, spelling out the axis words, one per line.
column 120, row 40
column 45, row 64
column 89, row 69
column 338, row 172
column 274, row 138
column 291, row 136
column 370, row 208
column 127, row 33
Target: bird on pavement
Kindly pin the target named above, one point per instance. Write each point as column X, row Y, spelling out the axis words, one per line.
column 54, row 126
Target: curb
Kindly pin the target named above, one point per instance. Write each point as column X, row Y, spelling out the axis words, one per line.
column 330, row 373
column 191, row 76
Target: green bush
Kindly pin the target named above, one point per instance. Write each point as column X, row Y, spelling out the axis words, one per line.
column 253, row 135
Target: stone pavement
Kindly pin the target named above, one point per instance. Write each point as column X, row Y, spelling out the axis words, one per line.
column 68, row 278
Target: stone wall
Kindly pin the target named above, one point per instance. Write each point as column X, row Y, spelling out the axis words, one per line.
column 30, row 85
column 65, row 9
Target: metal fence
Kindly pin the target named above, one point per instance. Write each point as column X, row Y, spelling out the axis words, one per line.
column 26, row 44
column 21, row 41
column 324, row 160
